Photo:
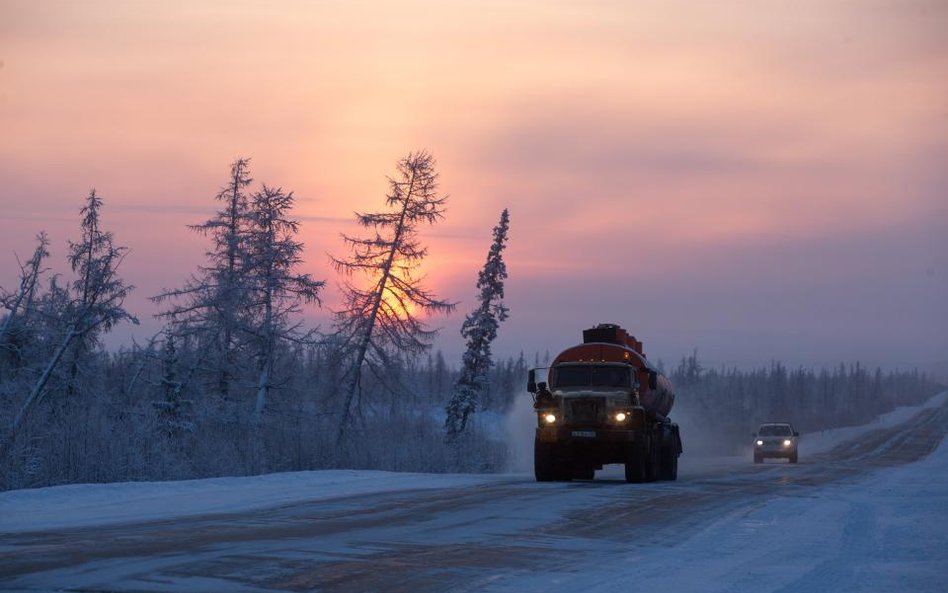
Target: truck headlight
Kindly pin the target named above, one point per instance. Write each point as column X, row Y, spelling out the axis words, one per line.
column 549, row 418
column 760, row 443
column 621, row 417
column 787, row 442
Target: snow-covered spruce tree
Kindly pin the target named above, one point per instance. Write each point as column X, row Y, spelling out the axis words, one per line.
column 276, row 290
column 378, row 324
column 207, row 310
column 479, row 331
column 174, row 412
column 94, row 303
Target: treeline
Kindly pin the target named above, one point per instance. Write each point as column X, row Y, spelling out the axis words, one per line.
column 235, row 383
column 140, row 417
column 137, row 415
column 722, row 407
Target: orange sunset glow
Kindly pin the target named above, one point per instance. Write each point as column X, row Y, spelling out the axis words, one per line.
column 755, row 180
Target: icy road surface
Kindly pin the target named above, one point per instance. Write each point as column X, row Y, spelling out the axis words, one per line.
column 866, row 514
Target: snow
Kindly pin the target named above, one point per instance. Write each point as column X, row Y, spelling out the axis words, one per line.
column 83, row 505
column 94, row 504
column 886, row 531
column 820, row 442
column 812, row 443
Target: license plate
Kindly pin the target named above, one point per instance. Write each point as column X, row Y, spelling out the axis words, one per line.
column 586, row 434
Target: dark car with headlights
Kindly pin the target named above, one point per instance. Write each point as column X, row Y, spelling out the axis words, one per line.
column 775, row 439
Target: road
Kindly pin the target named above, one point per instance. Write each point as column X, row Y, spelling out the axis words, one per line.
column 472, row 539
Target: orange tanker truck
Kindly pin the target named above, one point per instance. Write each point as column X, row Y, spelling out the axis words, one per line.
column 604, row 403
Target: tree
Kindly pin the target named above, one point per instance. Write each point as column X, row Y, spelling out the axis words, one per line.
column 379, row 323
column 93, row 260
column 215, row 299
column 275, row 290
column 95, row 300
column 479, row 331
column 22, row 299
column 174, row 412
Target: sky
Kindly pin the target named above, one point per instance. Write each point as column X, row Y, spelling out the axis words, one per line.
column 759, row 181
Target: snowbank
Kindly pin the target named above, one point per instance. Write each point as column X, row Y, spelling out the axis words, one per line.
column 820, row 442
column 80, row 505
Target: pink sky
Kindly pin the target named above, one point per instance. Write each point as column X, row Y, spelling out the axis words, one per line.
column 757, row 180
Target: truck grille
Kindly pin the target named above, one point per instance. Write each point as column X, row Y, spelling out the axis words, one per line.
column 587, row 410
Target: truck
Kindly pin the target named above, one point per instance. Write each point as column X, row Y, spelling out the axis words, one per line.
column 604, row 403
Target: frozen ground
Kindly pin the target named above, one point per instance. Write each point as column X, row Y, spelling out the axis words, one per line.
column 858, row 521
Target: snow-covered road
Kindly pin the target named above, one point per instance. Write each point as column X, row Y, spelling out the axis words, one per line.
column 869, row 513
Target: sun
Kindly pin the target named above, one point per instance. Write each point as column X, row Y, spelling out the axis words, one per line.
column 395, row 303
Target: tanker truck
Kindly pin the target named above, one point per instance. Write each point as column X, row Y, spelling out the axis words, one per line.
column 603, row 402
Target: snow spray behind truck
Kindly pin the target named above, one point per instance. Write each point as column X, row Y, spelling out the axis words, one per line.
column 604, row 403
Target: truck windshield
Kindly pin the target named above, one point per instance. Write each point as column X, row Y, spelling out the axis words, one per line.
column 584, row 375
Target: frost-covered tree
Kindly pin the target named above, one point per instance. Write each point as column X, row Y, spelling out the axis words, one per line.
column 19, row 303
column 174, row 411
column 234, row 318
column 380, row 323
column 93, row 302
column 276, row 290
column 208, row 308
column 97, row 293
column 479, row 331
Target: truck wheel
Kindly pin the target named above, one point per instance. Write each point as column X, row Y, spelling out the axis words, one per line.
column 669, row 464
column 584, row 473
column 793, row 457
column 758, row 458
column 544, row 462
column 635, row 465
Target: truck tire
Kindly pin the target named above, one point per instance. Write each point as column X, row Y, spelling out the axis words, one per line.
column 584, row 473
column 635, row 464
column 544, row 462
column 793, row 457
column 758, row 458
column 669, row 465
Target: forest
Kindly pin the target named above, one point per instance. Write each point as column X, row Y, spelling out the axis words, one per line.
column 236, row 384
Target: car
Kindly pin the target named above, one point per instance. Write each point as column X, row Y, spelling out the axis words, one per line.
column 775, row 439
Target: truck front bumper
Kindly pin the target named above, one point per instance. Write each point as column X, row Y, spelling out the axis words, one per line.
column 569, row 434
column 593, row 447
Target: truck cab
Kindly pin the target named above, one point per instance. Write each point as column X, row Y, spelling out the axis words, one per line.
column 586, row 396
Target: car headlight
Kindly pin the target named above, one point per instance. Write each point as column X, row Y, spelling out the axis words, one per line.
column 787, row 442
column 760, row 443
column 549, row 418
column 621, row 417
